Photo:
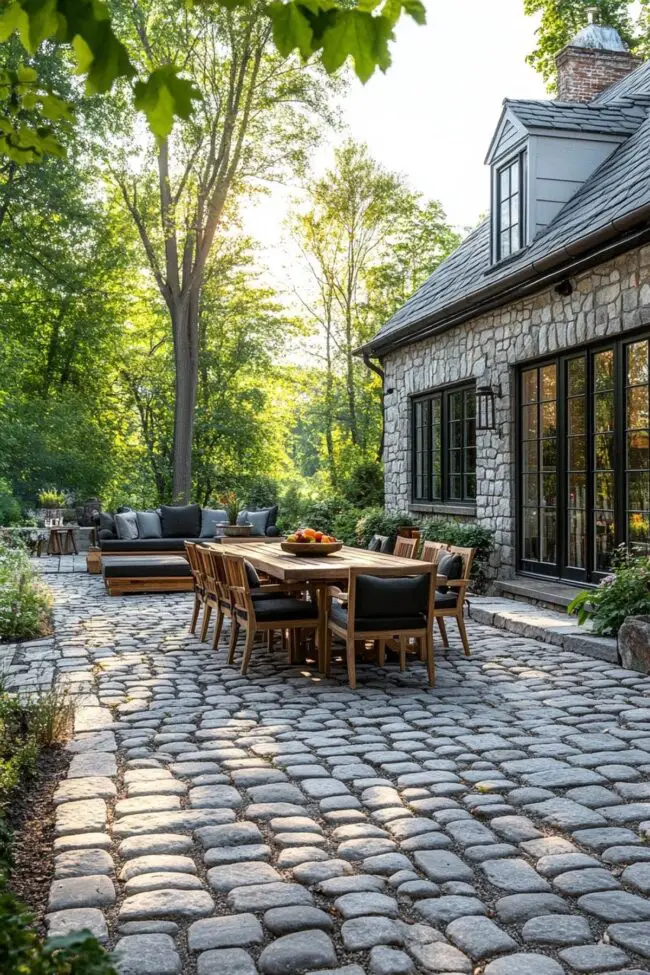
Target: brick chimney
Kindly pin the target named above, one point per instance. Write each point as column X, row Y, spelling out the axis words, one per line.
column 595, row 58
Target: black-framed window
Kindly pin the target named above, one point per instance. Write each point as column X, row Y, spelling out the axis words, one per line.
column 443, row 445
column 584, row 458
column 509, row 207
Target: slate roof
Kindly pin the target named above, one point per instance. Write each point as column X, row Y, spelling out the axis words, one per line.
column 577, row 117
column 603, row 205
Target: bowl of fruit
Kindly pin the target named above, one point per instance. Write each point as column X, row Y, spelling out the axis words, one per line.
column 307, row 542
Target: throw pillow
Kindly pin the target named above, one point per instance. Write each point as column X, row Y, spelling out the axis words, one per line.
column 181, row 521
column 149, row 525
column 126, row 523
column 210, row 518
column 259, row 520
column 106, row 523
column 105, row 534
column 451, row 566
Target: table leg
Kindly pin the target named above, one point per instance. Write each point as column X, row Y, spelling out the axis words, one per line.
column 74, row 544
column 322, row 593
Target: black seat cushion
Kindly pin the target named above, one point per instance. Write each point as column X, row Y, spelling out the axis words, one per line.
column 397, row 624
column 146, row 567
column 447, row 599
column 284, row 608
column 450, row 566
column 117, row 545
column 181, row 521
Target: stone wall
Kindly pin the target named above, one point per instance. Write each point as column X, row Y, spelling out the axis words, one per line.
column 613, row 298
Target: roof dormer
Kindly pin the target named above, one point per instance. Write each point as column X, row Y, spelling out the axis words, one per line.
column 541, row 154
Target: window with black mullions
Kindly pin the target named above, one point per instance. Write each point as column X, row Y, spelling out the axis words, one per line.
column 444, row 446
column 509, row 208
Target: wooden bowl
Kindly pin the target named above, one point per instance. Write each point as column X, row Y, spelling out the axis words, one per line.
column 312, row 549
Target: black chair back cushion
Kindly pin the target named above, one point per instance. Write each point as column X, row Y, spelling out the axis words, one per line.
column 181, row 521
column 450, row 566
column 377, row 542
column 387, row 599
column 251, row 573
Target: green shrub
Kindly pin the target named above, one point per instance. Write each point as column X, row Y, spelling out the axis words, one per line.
column 376, row 521
column 51, row 498
column 24, row 600
column 626, row 592
column 10, row 509
column 464, row 534
column 364, row 488
column 23, row 951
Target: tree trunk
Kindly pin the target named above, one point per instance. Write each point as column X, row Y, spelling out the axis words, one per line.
column 329, row 384
column 184, row 314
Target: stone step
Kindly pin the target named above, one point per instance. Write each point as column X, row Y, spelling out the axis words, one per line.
column 539, row 623
column 539, row 592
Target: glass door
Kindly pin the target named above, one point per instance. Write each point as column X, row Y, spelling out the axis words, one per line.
column 637, row 434
column 539, row 449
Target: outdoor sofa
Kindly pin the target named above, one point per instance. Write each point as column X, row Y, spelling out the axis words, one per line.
column 165, row 530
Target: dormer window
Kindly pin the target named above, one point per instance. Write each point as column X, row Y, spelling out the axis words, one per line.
column 509, row 209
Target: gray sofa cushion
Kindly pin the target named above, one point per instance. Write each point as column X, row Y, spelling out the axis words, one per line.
column 149, row 524
column 126, row 523
column 181, row 521
column 261, row 520
column 105, row 523
column 210, row 518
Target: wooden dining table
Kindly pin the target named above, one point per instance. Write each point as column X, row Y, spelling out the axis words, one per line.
column 320, row 573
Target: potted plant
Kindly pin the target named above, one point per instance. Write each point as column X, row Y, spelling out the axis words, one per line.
column 52, row 504
column 232, row 506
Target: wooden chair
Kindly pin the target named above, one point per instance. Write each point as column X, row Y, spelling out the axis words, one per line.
column 405, row 547
column 217, row 597
column 196, row 565
column 375, row 611
column 264, row 611
column 433, row 551
column 452, row 603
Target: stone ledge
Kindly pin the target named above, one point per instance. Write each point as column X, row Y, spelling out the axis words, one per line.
column 536, row 623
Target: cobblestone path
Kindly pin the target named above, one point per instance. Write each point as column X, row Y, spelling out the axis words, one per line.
column 280, row 823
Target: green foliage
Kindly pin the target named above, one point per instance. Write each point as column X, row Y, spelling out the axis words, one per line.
column 26, row 953
column 333, row 31
column 231, row 505
column 624, row 593
column 51, row 498
column 560, row 22
column 464, row 535
column 376, row 521
column 24, row 600
column 10, row 509
column 364, row 487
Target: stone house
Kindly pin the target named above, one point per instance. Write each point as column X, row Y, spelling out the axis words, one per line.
column 517, row 377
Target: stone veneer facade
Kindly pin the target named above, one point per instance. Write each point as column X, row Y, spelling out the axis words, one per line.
column 607, row 300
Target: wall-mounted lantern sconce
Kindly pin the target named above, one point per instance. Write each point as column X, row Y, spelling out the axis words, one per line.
column 486, row 397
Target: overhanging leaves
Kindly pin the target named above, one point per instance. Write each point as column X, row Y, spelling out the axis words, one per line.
column 162, row 97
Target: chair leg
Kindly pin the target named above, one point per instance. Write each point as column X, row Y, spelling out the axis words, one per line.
column 352, row 663
column 292, row 647
column 218, row 624
column 381, row 653
column 269, row 641
column 248, row 649
column 327, row 663
column 402, row 653
column 195, row 612
column 431, row 660
column 443, row 632
column 463, row 634
column 207, row 613
column 234, row 633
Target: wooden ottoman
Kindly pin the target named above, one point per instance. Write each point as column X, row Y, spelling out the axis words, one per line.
column 146, row 573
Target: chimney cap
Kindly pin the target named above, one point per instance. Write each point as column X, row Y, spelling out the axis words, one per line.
column 598, row 37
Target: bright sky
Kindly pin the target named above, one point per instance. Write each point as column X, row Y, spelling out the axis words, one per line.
column 431, row 116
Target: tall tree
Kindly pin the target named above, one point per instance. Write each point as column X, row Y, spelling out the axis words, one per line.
column 255, row 122
column 368, row 242
column 562, row 19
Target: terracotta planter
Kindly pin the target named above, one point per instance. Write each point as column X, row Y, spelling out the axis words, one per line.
column 237, row 531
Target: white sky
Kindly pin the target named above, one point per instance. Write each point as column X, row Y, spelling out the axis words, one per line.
column 431, row 116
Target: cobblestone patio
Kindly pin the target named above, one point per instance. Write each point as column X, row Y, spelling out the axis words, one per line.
column 280, row 823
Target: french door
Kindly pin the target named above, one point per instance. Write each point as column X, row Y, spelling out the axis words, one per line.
column 584, row 459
